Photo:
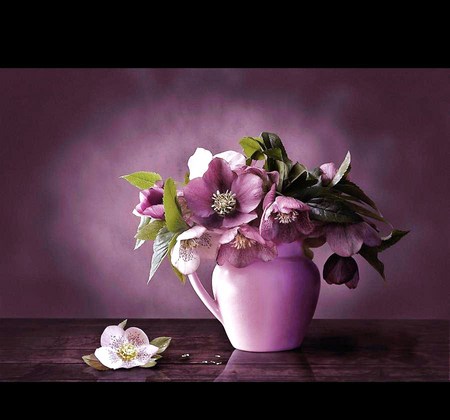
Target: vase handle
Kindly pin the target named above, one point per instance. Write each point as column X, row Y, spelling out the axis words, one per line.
column 205, row 297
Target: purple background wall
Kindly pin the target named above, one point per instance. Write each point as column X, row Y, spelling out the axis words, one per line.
column 66, row 241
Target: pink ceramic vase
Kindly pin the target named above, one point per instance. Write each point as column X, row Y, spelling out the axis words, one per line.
column 266, row 306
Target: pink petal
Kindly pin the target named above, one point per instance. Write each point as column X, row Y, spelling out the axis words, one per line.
column 108, row 357
column 219, row 176
column 235, row 159
column 270, row 196
column 328, row 172
column 251, row 232
column 228, row 235
column 248, row 190
column 287, row 204
column 156, row 211
column 237, row 218
column 113, row 336
column 136, row 336
column 198, row 195
column 145, row 353
column 268, row 228
column 344, row 240
column 303, row 224
column 194, row 232
column 371, row 236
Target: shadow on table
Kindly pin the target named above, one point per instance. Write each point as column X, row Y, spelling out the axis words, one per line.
column 246, row 366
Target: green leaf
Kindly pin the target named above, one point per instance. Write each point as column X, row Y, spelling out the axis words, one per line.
column 144, row 221
column 142, row 180
column 250, row 145
column 156, row 356
column 160, row 249
column 297, row 170
column 174, row 219
column 364, row 212
column 331, row 211
column 274, row 153
column 162, row 343
column 343, row 170
column 149, row 364
column 258, row 155
column 123, row 324
column 179, row 274
column 347, row 187
column 186, row 178
column 92, row 361
column 370, row 254
column 272, row 141
column 283, row 170
column 391, row 239
column 150, row 231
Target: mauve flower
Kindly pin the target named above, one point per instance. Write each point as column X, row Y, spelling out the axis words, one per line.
column 268, row 178
column 151, row 202
column 221, row 198
column 285, row 219
column 199, row 161
column 193, row 245
column 328, row 172
column 347, row 239
column 339, row 270
column 124, row 348
column 243, row 245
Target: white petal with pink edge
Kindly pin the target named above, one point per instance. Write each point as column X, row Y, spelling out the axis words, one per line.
column 113, row 336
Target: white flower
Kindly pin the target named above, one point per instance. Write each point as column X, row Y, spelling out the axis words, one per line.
column 124, row 348
column 199, row 161
column 191, row 246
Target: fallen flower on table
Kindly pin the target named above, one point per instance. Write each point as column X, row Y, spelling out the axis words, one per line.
column 128, row 348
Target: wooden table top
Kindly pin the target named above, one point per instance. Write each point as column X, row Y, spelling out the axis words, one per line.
column 333, row 350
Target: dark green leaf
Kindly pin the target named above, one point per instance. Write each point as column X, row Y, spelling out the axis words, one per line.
column 347, row 187
column 370, row 254
column 160, row 249
column 174, row 219
column 343, row 170
column 92, row 361
column 143, row 180
column 250, row 145
column 144, row 221
column 150, row 230
column 364, row 212
column 274, row 153
column 258, row 155
column 272, row 141
column 283, row 170
column 391, row 239
column 296, row 171
column 331, row 211
column 162, row 343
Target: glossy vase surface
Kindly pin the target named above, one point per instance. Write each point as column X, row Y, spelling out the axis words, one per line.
column 266, row 306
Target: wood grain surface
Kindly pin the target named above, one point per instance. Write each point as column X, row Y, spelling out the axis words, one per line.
column 334, row 350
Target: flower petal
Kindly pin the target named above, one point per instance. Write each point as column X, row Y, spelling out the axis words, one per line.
column 243, row 257
column 198, row 162
column 186, row 260
column 268, row 228
column 194, row 232
column 136, row 336
column 287, row 204
column 328, row 172
column 108, row 357
column 248, row 190
column 228, row 235
column 208, row 245
column 251, row 232
column 145, row 353
column 112, row 336
column 198, row 195
column 303, row 223
column 371, row 236
column 156, row 211
column 235, row 159
column 339, row 270
column 345, row 240
column 270, row 196
column 237, row 218
column 218, row 177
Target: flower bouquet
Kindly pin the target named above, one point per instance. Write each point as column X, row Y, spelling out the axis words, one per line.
column 248, row 209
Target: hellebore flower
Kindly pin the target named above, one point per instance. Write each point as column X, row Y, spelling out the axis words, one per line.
column 347, row 239
column 339, row 270
column 124, row 348
column 328, row 172
column 191, row 246
column 221, row 198
column 199, row 161
column 243, row 245
column 285, row 219
column 268, row 178
column 151, row 202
